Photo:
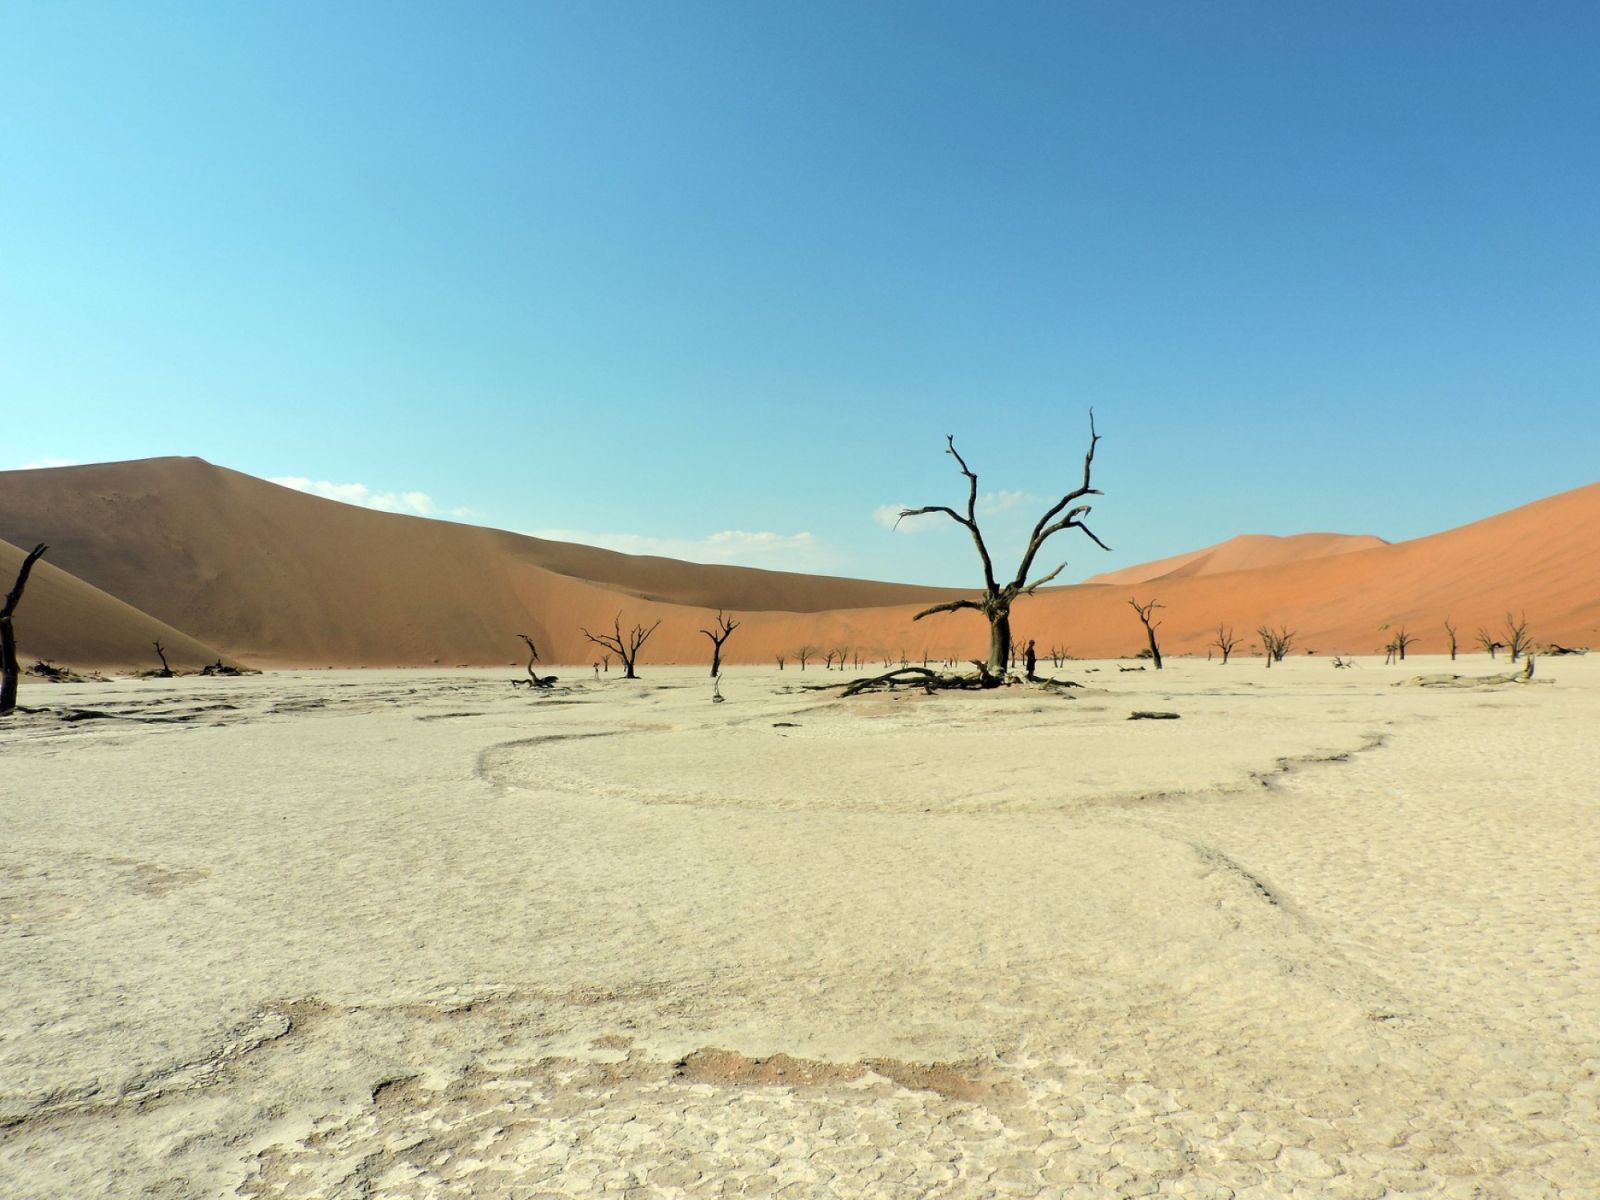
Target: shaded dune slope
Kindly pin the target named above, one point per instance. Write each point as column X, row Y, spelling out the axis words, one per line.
column 279, row 577
column 276, row 577
column 64, row 620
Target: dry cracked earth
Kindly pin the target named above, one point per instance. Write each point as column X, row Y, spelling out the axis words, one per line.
column 415, row 935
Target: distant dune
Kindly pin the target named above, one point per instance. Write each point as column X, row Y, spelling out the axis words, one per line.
column 66, row 621
column 274, row 577
column 1247, row 552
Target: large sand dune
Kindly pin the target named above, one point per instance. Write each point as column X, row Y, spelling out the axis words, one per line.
column 276, row 577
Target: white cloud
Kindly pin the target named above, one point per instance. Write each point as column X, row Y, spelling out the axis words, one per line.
column 417, row 504
column 992, row 503
column 45, row 463
column 887, row 515
column 731, row 547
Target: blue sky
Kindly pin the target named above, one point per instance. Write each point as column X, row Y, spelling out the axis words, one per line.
column 716, row 280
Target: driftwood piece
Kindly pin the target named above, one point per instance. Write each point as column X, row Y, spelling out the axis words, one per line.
column 1154, row 716
column 1471, row 681
column 929, row 680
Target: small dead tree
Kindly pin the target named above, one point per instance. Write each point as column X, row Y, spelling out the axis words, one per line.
column 781, row 660
column 842, row 655
column 804, row 654
column 1058, row 656
column 1518, row 641
column 1402, row 639
column 625, row 646
column 1487, row 640
column 1145, row 612
column 1224, row 641
column 161, row 653
column 1275, row 642
column 725, row 626
column 534, row 680
column 8, row 636
column 998, row 597
column 1450, row 632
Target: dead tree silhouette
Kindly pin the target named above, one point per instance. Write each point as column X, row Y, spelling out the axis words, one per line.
column 998, row 597
column 166, row 671
column 1275, row 642
column 534, row 680
column 8, row 636
column 625, row 646
column 1518, row 640
column 1225, row 641
column 1145, row 611
column 725, row 626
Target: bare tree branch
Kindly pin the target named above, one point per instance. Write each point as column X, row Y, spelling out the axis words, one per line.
column 949, row 606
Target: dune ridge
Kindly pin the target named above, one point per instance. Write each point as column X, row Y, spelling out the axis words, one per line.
column 1245, row 552
column 274, row 577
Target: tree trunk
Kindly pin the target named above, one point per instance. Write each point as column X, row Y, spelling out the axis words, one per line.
column 8, row 635
column 1155, row 651
column 8, row 666
column 999, row 641
column 716, row 659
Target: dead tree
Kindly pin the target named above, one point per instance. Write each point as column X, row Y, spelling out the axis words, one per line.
column 8, row 636
column 1275, row 642
column 1518, row 640
column 997, row 599
column 841, row 654
column 1450, row 632
column 781, row 660
column 1224, row 641
column 161, row 653
column 1058, row 656
column 1402, row 639
column 725, row 627
column 803, row 654
column 1145, row 612
column 1488, row 642
column 624, row 645
column 534, row 680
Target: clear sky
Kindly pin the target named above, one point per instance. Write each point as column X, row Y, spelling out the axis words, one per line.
column 716, row 280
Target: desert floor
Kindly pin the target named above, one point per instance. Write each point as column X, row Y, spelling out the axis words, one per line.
column 418, row 934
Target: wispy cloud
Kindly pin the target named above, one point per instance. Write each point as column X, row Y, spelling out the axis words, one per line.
column 43, row 463
column 888, row 515
column 990, row 504
column 416, row 504
column 729, row 547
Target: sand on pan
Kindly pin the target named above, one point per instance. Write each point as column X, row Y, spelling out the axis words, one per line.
column 417, row 934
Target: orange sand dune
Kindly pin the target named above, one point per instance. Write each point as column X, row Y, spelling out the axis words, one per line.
column 276, row 577
column 1246, row 552
column 68, row 622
